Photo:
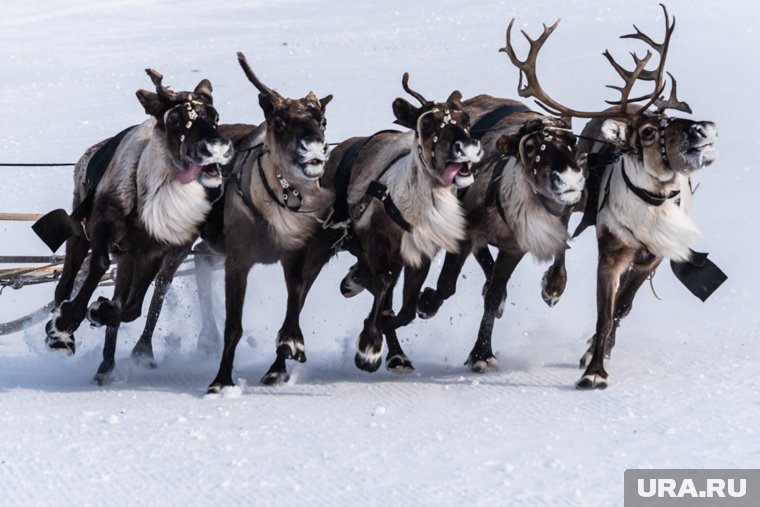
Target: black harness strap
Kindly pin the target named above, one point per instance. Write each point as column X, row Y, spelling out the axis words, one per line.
column 492, row 191
column 487, row 122
column 242, row 179
column 597, row 164
column 645, row 195
column 56, row 227
column 380, row 191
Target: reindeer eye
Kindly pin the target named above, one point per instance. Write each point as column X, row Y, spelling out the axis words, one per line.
column 280, row 125
column 324, row 122
column 647, row 133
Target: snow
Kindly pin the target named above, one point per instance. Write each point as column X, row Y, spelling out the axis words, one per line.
column 684, row 379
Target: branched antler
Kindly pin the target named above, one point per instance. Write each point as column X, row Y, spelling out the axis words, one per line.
column 672, row 102
column 255, row 80
column 532, row 87
column 416, row 95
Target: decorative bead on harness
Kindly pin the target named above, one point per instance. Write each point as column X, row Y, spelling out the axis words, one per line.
column 447, row 120
column 662, row 125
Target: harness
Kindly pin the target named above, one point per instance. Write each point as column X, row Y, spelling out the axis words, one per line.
column 57, row 226
column 699, row 274
column 493, row 196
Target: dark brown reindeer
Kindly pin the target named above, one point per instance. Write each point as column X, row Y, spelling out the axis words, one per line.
column 642, row 209
column 524, row 192
column 274, row 205
column 403, row 210
column 146, row 210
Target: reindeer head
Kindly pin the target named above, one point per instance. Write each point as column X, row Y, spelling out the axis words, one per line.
column 547, row 152
column 188, row 122
column 295, row 132
column 441, row 131
column 665, row 146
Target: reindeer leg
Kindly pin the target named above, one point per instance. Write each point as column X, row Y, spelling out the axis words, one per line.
column 481, row 358
column 76, row 252
column 142, row 353
column 430, row 301
column 554, row 280
column 236, row 268
column 69, row 315
column 104, row 374
column 396, row 361
column 631, row 283
column 209, row 339
column 614, row 261
column 384, row 275
column 315, row 257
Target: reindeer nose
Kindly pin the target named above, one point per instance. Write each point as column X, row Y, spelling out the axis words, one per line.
column 306, row 141
column 459, row 149
column 698, row 130
column 556, row 180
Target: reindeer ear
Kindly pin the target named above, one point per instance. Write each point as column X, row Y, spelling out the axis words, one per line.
column 152, row 103
column 508, row 145
column 405, row 113
column 324, row 101
column 455, row 98
column 204, row 89
column 616, row 132
column 267, row 104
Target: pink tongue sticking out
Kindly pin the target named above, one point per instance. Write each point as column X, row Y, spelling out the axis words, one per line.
column 189, row 175
column 450, row 172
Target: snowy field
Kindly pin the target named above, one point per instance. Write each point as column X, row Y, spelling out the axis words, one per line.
column 685, row 379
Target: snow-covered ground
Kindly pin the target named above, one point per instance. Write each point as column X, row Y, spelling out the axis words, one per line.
column 685, row 374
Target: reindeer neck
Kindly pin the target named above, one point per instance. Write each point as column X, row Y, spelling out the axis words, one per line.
column 639, row 176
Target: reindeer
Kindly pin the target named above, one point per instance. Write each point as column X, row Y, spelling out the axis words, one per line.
column 146, row 210
column 641, row 208
column 524, row 192
column 403, row 210
column 274, row 204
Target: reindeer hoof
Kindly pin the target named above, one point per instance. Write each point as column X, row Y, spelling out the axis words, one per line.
column 291, row 350
column 104, row 375
column 350, row 285
column 104, row 312
column 60, row 341
column 368, row 362
column 592, row 381
column 482, row 365
column 217, row 386
column 275, row 378
column 428, row 304
column 399, row 364
column 549, row 299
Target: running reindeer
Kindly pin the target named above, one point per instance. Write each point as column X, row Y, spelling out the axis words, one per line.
column 146, row 210
column 399, row 188
column 274, row 205
column 524, row 192
column 642, row 213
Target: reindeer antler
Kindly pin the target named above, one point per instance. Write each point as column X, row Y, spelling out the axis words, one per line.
column 533, row 88
column 416, row 95
column 254, row 79
column 656, row 75
column 672, row 102
column 162, row 91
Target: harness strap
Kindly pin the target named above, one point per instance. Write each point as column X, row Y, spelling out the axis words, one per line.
column 492, row 191
column 489, row 120
column 699, row 274
column 342, row 178
column 645, row 195
column 597, row 164
column 242, row 180
column 380, row 191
